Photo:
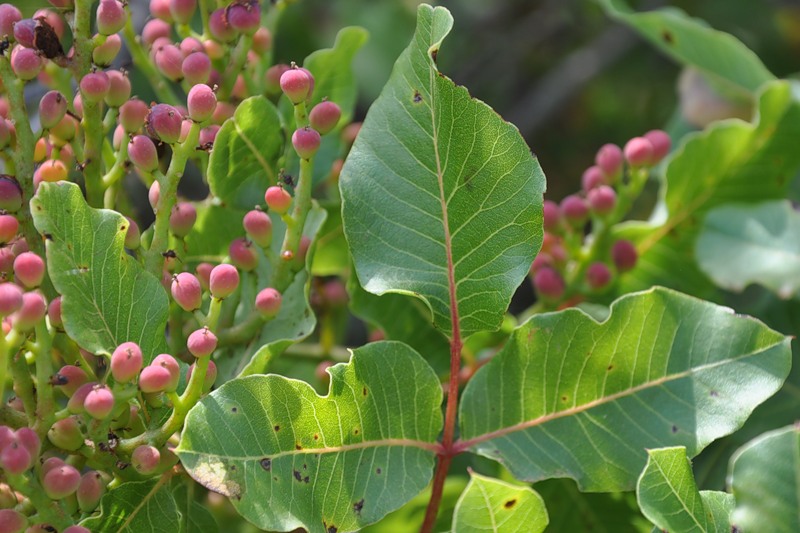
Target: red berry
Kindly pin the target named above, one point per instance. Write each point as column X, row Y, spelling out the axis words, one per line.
column 182, row 10
column 186, row 291
column 54, row 312
column 154, row 378
column 24, row 31
column 624, row 255
column 602, row 199
column 9, row 15
column 30, row 440
column 126, row 362
column 296, row 85
column 25, row 62
column 593, row 177
column 12, row 521
column 160, row 10
column 219, row 27
column 169, row 60
column 306, row 142
column 99, row 402
column 182, row 219
column 551, row 215
column 95, row 85
column 132, row 115
column 190, row 45
column 15, row 458
column 9, row 225
column 61, row 482
column 242, row 254
column 155, row 29
column 90, row 490
column 105, row 53
column 52, row 108
column 661, row 144
column 598, row 275
column 325, row 116
column 639, row 152
column 262, row 41
column 29, row 269
column 548, row 283
column 196, row 68
column 119, row 91
column 244, row 17
column 258, row 226
column 201, row 342
column 142, row 153
column 145, row 459
column 10, row 195
column 110, row 17
column 268, row 302
column 223, row 280
column 278, row 199
column 164, row 123
column 168, row 362
column 66, row 434
column 202, row 102
column 574, row 209
column 609, row 159
column 70, row 378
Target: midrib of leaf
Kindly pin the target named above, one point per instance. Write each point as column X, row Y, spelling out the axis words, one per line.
column 463, row 445
column 142, row 503
column 254, row 150
column 678, row 494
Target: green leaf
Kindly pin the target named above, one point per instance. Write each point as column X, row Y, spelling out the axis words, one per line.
column 752, row 162
column 668, row 495
column 331, row 257
column 212, row 233
column 692, row 42
column 195, row 518
column 107, row 297
column 765, row 480
column 571, row 397
column 743, row 244
column 442, row 199
column 492, row 505
column 136, row 507
column 288, row 458
column 243, row 162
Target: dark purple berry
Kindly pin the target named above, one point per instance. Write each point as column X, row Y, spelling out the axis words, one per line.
column 598, row 275
column 25, row 32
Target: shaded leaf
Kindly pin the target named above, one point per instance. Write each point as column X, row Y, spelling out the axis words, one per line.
column 668, row 495
column 442, row 199
column 765, row 480
column 492, row 505
column 136, row 506
column 195, row 518
column 331, row 257
column 212, row 233
column 570, row 397
column 288, row 458
column 108, row 298
column 243, row 162
column 743, row 244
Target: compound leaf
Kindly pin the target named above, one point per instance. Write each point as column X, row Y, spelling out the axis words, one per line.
column 107, row 297
column 289, row 458
column 492, row 505
column 571, row 397
column 441, row 198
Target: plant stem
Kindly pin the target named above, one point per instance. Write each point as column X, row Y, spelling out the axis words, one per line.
column 235, row 67
column 45, row 405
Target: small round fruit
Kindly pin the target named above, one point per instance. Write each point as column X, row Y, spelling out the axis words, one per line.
column 624, row 255
column 66, row 434
column 574, row 209
column 132, row 235
column 105, row 53
column 54, row 312
column 9, row 225
column 258, row 226
column 223, row 281
column 661, row 144
column 24, row 31
column 26, row 63
column 244, row 17
column 296, row 85
column 12, row 521
column 145, row 459
column 61, row 481
column 201, row 343
column 278, row 199
column 598, row 275
column 242, row 254
column 29, row 269
column 95, row 85
column 186, row 291
column 609, row 159
column 325, row 116
column 154, row 378
column 70, row 378
column 196, row 68
column 593, row 177
column 90, row 490
column 306, row 142
column 164, row 123
column 549, row 283
column 182, row 219
column 110, row 17
column 602, row 200
column 168, row 362
column 268, row 302
column 639, row 152
column 211, row 375
column 182, row 10
column 10, row 194
column 119, row 91
column 32, row 311
column 52, row 108
column 551, row 215
column 126, row 362
column 143, row 153
column 219, row 27
column 132, row 115
column 201, row 102
column 15, row 458
column 169, row 61
column 99, row 402
column 9, row 16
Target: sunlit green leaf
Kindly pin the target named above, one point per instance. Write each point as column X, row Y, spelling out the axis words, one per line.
column 136, row 507
column 492, row 505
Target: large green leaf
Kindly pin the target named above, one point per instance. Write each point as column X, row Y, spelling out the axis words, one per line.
column 692, row 42
column 765, row 480
column 331, row 257
column 289, row 458
column 571, row 397
column 137, row 507
column 751, row 162
column 442, row 199
column 668, row 496
column 743, row 244
column 492, row 505
column 108, row 298
column 212, row 233
column 194, row 517
column 243, row 162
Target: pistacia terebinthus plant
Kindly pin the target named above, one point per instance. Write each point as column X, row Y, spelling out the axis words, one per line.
column 162, row 356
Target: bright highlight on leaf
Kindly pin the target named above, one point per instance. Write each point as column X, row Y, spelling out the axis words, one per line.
column 288, row 458
column 441, row 198
column 570, row 397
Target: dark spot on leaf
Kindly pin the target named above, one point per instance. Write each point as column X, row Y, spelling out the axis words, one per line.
column 510, row 503
column 434, row 54
column 300, row 333
column 378, row 471
column 297, row 475
column 305, row 466
column 735, row 529
column 355, row 431
column 417, row 97
column 234, row 410
column 358, row 506
column 563, row 398
column 668, row 37
column 610, row 368
column 316, row 437
column 266, row 463
column 305, row 479
column 364, row 391
column 674, row 429
column 277, row 428
column 275, row 478
column 297, row 446
column 47, row 236
column 232, row 468
column 714, row 393
column 331, row 529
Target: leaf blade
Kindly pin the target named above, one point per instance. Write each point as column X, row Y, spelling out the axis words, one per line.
column 136, row 507
column 489, row 504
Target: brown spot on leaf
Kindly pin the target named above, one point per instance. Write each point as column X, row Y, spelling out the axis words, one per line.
column 234, row 410
column 610, row 368
column 358, row 506
column 277, row 428
column 434, row 54
column 417, row 97
column 714, row 393
column 674, row 429
column 510, row 503
column 297, row 475
column 266, row 463
column 316, row 437
column 355, row 431
column 378, row 471
column 668, row 37
column 364, row 391
column 298, row 446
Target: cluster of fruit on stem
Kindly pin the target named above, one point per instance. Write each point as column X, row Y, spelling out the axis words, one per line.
column 575, row 263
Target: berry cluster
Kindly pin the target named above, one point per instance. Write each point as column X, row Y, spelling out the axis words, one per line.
column 575, row 263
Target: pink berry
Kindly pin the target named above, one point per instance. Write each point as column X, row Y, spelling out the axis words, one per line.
column 242, row 254
column 142, row 153
column 219, row 27
column 262, row 41
column 66, row 434
column 132, row 235
column 203, row 271
column 551, row 215
column 201, row 102
column 598, row 275
column 95, row 85
column 223, row 112
column 55, row 20
column 110, row 17
column 10, row 298
column 214, row 50
column 609, row 159
column 75, row 403
column 9, row 225
column 155, row 29
column 154, row 378
column 29, row 269
column 190, row 45
column 26, row 63
column 9, row 15
column 24, row 31
column 272, row 77
column 105, row 53
column 90, row 490
column 32, row 311
column 639, row 152
column 132, row 115
column 15, row 458
column 593, row 177
column 278, row 199
column 168, row 362
column 602, row 200
column 196, row 68
column 10, row 194
column 154, row 194
column 201, row 342
column 12, row 521
column 164, row 123
column 126, row 362
column 258, row 226
column 169, row 61
column 223, row 281
column 306, row 142
column 211, row 375
column 61, row 482
column 182, row 10
column 244, row 17
column 186, row 291
column 624, row 255
column 119, row 90
column 99, row 402
column 30, row 440
column 296, row 85
column 145, row 459
column 325, row 116
column 182, row 219
column 268, row 302
column 574, row 209
column 548, row 283
column 54, row 312
column 52, row 108
column 209, row 134
column 661, row 144
column 70, row 378
column 160, row 10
